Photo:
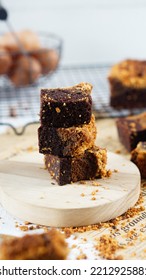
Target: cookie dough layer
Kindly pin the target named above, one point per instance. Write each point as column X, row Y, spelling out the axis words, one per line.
column 91, row 164
column 70, row 141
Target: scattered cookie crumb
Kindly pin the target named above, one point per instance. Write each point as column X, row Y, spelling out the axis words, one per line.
column 93, row 198
column 93, row 193
column 96, row 184
column 85, row 239
column 24, row 228
column 27, row 223
column 31, row 149
column 82, row 194
column 108, row 247
column 82, row 256
column 116, row 170
column 118, row 151
column 109, row 173
column 83, row 182
column 74, row 246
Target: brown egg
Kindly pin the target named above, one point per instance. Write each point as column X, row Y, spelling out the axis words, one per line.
column 48, row 59
column 25, row 71
column 25, row 40
column 29, row 40
column 10, row 42
column 2, row 43
column 5, row 61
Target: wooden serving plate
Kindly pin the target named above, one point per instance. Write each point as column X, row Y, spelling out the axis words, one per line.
column 28, row 192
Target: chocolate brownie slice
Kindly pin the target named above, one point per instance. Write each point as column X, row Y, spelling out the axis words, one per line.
column 44, row 246
column 69, row 141
column 65, row 107
column 132, row 130
column 89, row 165
column 138, row 156
column 128, row 84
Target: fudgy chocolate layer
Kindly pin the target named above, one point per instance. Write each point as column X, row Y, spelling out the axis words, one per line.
column 123, row 97
column 66, row 107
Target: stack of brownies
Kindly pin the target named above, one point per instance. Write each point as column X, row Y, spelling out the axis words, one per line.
column 67, row 135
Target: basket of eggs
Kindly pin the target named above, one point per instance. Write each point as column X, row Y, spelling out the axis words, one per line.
column 27, row 57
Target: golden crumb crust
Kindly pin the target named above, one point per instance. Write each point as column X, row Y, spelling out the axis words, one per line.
column 131, row 73
column 83, row 87
column 76, row 139
column 45, row 246
column 101, row 160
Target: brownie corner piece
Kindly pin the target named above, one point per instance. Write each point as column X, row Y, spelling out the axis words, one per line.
column 59, row 168
column 127, row 80
column 65, row 107
column 131, row 130
column 138, row 156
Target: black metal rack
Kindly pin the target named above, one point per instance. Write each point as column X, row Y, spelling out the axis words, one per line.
column 24, row 103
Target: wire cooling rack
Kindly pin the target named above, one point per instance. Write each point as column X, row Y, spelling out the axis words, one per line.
column 20, row 107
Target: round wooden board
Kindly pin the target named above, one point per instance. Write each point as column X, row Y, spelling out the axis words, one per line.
column 28, row 192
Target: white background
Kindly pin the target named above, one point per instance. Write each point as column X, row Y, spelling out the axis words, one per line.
column 93, row 30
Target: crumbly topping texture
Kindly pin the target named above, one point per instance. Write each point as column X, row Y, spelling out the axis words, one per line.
column 107, row 247
column 89, row 165
column 78, row 138
column 101, row 160
column 70, row 141
column 66, row 93
column 45, row 246
column 132, row 73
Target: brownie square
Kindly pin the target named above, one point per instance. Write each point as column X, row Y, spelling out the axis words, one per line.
column 138, row 156
column 50, row 245
column 70, row 141
column 89, row 165
column 127, row 81
column 132, row 130
column 65, row 107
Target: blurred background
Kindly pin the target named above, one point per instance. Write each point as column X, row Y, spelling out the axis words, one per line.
column 94, row 34
column 92, row 30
